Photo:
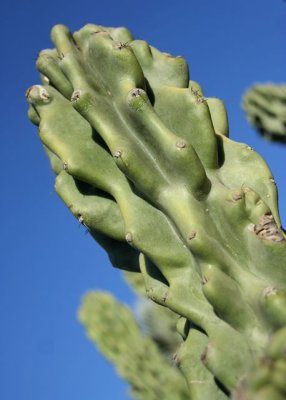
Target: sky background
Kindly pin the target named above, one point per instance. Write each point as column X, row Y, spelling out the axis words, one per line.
column 46, row 261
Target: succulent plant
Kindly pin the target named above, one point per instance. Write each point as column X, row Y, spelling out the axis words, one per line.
column 144, row 161
column 138, row 359
column 265, row 107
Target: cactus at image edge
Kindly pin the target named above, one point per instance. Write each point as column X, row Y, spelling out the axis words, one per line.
column 144, row 161
column 113, row 328
column 265, row 107
column 131, row 342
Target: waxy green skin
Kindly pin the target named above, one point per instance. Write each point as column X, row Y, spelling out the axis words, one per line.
column 265, row 107
column 113, row 328
column 173, row 186
column 157, row 322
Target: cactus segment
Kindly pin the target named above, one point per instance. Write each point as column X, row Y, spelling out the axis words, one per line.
column 274, row 304
column 267, row 380
column 219, row 333
column 121, row 34
column 267, row 393
column 264, row 104
column 113, row 328
column 56, row 163
column 277, row 346
column 218, row 287
column 33, row 116
column 156, row 321
column 146, row 163
column 160, row 324
column 169, row 257
column 199, row 379
column 82, row 200
column 48, row 64
column 244, row 161
column 186, row 111
column 153, row 62
column 93, row 208
column 219, row 115
column 62, row 137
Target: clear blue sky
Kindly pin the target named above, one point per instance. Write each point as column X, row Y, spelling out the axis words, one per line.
column 46, row 260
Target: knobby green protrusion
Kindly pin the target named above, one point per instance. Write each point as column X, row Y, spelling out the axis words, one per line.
column 137, row 358
column 155, row 320
column 144, row 161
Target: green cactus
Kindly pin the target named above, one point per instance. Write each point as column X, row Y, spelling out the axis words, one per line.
column 113, row 328
column 156, row 321
column 149, row 164
column 265, row 107
column 267, row 381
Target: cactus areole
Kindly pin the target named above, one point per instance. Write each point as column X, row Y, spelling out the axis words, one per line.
column 143, row 159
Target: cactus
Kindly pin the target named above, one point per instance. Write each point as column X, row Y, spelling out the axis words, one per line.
column 144, row 161
column 265, row 107
column 156, row 321
column 267, row 381
column 137, row 358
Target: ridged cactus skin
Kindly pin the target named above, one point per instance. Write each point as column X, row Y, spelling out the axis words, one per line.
column 267, row 381
column 148, row 164
column 137, row 358
column 156, row 321
column 265, row 107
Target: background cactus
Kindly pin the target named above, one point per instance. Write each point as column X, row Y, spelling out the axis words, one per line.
column 142, row 350
column 136, row 356
column 156, row 321
column 180, row 193
column 265, row 107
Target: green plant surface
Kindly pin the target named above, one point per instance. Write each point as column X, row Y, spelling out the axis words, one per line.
column 137, row 358
column 183, row 195
column 265, row 107
column 156, row 321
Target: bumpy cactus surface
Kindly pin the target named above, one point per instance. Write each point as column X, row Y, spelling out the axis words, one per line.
column 142, row 348
column 265, row 107
column 144, row 161
column 156, row 321
column 137, row 358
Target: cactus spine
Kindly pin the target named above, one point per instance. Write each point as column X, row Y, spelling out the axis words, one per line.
column 143, row 159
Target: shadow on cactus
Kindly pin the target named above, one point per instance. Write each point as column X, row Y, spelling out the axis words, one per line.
column 265, row 107
column 143, row 160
